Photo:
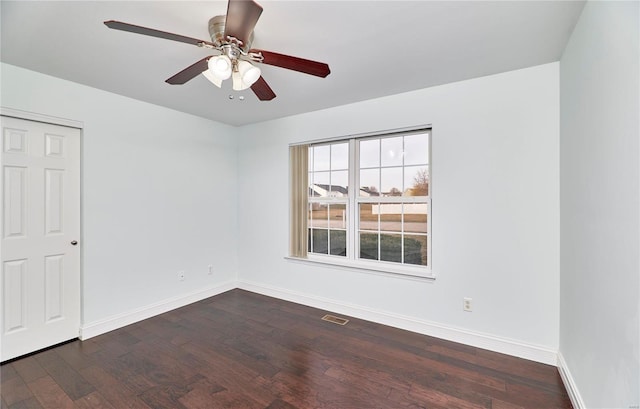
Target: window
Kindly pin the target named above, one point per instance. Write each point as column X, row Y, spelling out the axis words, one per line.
column 384, row 223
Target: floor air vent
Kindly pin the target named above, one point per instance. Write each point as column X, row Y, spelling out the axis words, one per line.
column 335, row 320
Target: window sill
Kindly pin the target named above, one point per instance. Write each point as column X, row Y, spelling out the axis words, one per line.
column 403, row 271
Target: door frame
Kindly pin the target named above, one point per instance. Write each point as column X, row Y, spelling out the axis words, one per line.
column 69, row 123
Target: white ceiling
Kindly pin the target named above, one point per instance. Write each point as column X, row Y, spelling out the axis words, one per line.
column 374, row 48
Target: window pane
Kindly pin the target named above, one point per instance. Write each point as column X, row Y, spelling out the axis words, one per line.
column 391, row 151
column 416, row 181
column 416, row 149
column 319, row 215
column 390, row 216
column 321, row 157
column 368, row 219
column 370, row 153
column 391, row 181
column 340, row 156
column 369, row 246
column 320, row 241
column 370, row 182
column 338, row 240
column 339, row 182
column 391, row 247
column 415, row 217
column 320, row 184
column 338, row 216
column 415, row 250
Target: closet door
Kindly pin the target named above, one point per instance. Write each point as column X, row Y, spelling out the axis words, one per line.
column 40, row 250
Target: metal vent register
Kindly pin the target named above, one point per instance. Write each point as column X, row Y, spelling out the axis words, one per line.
column 335, row 320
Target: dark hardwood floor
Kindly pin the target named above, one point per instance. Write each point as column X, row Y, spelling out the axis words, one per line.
column 244, row 350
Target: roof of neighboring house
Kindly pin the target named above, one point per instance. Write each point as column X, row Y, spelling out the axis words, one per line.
column 339, row 189
column 367, row 190
column 333, row 188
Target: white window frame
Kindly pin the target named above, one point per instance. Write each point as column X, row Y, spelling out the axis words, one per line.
column 353, row 200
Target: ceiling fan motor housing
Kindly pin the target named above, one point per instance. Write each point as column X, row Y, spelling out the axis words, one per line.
column 216, row 31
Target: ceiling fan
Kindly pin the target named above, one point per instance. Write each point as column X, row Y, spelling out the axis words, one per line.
column 231, row 35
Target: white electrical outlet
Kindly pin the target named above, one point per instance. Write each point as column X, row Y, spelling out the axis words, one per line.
column 210, row 269
column 467, row 304
column 181, row 275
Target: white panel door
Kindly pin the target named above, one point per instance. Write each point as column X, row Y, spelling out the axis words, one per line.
column 40, row 253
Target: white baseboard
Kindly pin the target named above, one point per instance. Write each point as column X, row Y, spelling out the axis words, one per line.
column 476, row 339
column 570, row 384
column 497, row 344
column 121, row 320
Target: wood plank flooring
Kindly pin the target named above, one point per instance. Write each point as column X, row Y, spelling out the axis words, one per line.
column 244, row 350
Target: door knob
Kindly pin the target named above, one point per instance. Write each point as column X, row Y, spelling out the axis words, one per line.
column 74, row 243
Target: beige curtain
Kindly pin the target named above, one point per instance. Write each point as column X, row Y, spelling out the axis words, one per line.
column 299, row 192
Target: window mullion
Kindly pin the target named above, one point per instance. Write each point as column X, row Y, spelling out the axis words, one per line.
column 352, row 195
column 328, row 218
column 402, row 206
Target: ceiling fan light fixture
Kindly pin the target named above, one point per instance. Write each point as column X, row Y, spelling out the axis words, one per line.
column 238, row 84
column 249, row 73
column 220, row 66
column 245, row 75
column 215, row 80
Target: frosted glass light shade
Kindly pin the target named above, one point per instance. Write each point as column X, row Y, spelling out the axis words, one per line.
column 245, row 76
column 215, row 80
column 248, row 72
column 238, row 85
column 220, row 66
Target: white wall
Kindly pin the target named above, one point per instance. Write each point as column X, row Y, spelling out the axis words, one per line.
column 158, row 193
column 495, row 206
column 600, row 267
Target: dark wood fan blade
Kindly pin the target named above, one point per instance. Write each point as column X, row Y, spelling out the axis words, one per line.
column 262, row 90
column 242, row 16
column 316, row 68
column 190, row 72
column 119, row 25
